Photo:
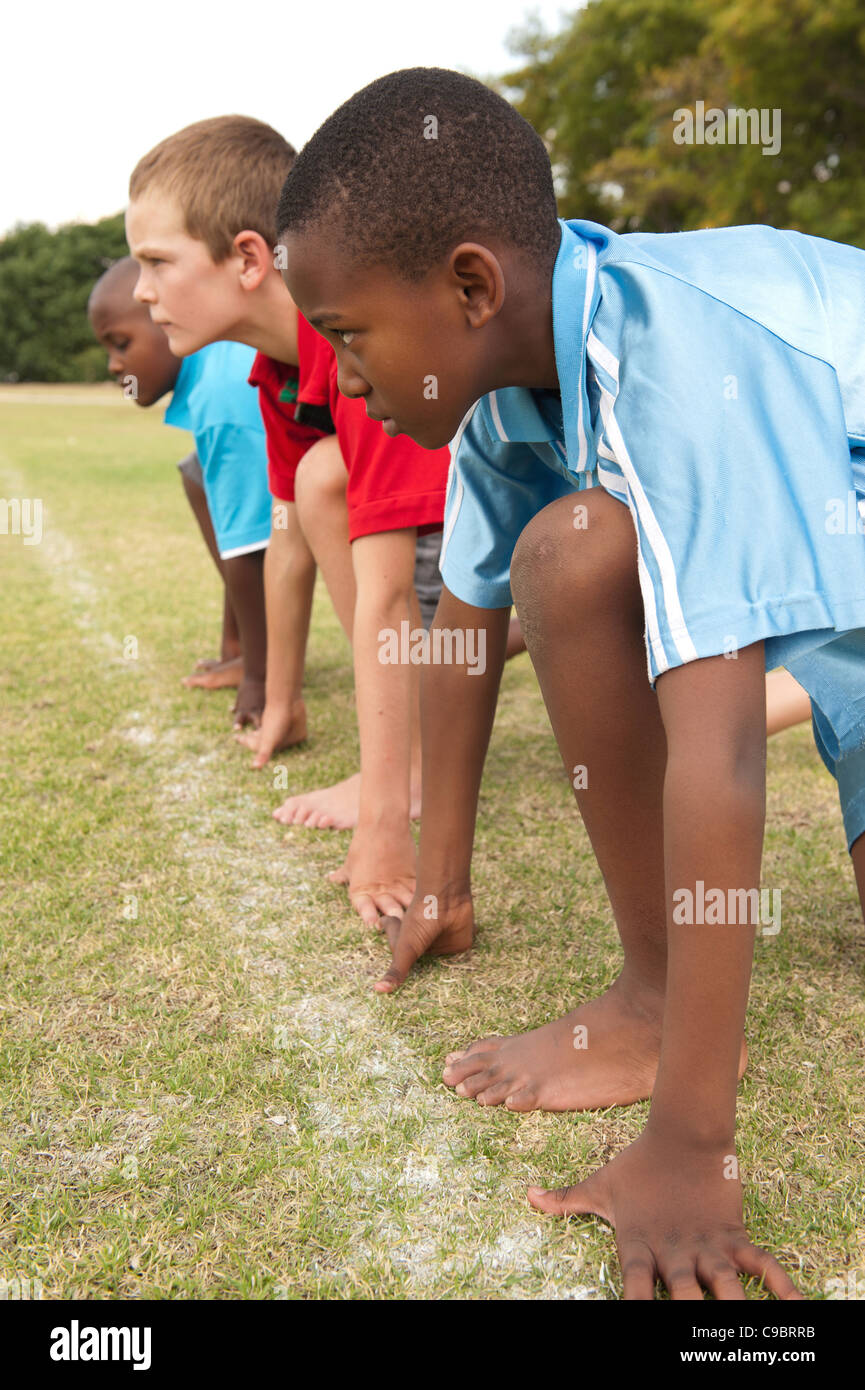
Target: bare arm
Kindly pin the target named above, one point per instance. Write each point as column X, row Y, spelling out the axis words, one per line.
column 457, row 713
column 675, row 1195
column 380, row 863
column 244, row 586
column 289, row 580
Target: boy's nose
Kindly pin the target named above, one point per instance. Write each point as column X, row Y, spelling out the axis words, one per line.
column 142, row 292
column 351, row 383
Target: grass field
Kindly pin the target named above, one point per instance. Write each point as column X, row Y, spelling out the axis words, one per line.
column 201, row 1096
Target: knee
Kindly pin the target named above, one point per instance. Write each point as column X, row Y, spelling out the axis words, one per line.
column 321, row 476
column 580, row 549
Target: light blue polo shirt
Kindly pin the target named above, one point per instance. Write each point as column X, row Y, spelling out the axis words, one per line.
column 714, row 381
column 213, row 400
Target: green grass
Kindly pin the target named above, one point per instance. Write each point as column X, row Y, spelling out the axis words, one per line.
column 206, row 1100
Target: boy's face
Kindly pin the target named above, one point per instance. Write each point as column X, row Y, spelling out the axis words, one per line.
column 138, row 351
column 404, row 348
column 194, row 300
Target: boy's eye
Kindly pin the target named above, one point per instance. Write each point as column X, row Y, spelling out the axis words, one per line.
column 345, row 336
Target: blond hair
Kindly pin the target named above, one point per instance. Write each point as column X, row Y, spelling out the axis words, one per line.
column 226, row 173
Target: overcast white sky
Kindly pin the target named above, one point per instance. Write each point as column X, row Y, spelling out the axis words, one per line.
column 88, row 87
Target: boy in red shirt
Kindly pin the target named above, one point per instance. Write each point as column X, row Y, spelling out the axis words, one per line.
column 362, row 502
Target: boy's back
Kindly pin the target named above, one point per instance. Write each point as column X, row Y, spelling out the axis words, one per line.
column 712, row 381
column 213, row 400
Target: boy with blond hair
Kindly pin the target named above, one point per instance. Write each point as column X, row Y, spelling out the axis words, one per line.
column 201, row 225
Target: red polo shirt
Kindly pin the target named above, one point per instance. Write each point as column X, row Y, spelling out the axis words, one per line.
column 393, row 484
column 287, row 440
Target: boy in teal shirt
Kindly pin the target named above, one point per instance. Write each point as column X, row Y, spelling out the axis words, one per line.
column 212, row 399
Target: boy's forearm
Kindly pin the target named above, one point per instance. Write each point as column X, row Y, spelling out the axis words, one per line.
column 385, row 693
column 289, row 581
column 244, row 584
column 457, row 714
column 714, row 809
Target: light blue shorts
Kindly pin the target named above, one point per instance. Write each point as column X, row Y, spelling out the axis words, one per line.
column 834, row 677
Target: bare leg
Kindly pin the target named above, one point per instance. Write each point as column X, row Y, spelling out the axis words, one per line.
column 787, row 703
column 516, row 643
column 581, row 611
column 319, row 490
column 323, row 513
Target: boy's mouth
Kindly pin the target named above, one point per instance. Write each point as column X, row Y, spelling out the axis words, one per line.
column 387, row 422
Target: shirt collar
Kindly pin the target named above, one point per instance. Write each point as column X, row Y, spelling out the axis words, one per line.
column 514, row 417
column 512, row 411
column 576, row 297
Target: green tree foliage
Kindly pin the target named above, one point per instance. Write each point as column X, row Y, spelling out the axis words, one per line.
column 45, row 280
column 604, row 92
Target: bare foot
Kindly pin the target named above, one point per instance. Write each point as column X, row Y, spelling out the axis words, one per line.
column 329, row 808
column 603, row 1053
column 219, row 675
column 230, row 652
column 333, row 808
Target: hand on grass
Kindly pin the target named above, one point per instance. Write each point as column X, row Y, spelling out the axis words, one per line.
column 433, row 924
column 379, row 870
column 281, row 726
column 678, row 1219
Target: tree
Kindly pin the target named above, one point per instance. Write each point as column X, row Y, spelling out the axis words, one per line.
column 45, row 280
column 606, row 91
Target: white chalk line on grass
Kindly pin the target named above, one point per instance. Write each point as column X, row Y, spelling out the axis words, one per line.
column 443, row 1194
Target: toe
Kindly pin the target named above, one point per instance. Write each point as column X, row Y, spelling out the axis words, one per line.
column 480, row 1045
column 474, row 1084
column 467, row 1065
column 496, row 1094
column 522, row 1100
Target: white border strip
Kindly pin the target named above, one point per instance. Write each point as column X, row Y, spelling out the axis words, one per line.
column 453, row 471
column 243, row 550
column 654, row 535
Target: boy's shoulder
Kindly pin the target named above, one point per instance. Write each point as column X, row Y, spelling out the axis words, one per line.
column 223, row 359
column 212, row 389
column 277, row 384
column 782, row 281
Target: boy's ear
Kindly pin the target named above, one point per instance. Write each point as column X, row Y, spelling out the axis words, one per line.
column 256, row 258
column 479, row 280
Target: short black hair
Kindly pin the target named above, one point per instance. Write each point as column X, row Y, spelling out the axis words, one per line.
column 120, row 276
column 417, row 162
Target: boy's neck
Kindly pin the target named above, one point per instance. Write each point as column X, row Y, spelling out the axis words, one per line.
column 528, row 354
column 269, row 323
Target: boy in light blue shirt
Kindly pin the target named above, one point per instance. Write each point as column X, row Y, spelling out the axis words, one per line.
column 214, row 401
column 656, row 444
